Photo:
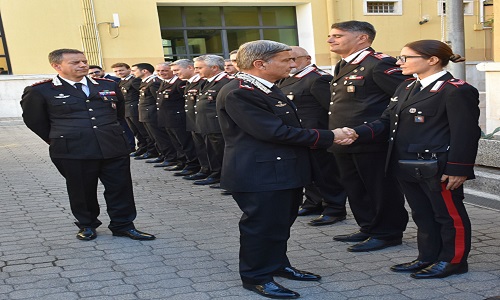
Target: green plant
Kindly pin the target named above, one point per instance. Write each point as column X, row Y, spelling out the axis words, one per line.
column 489, row 136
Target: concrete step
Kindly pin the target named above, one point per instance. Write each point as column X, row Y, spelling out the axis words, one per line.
column 485, row 188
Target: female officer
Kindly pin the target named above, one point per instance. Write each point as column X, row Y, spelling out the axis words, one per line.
column 432, row 117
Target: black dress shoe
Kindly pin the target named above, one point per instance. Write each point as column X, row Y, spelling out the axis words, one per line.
column 411, row 266
column 326, row 220
column 272, row 290
column 147, row 155
column 353, row 237
column 207, row 181
column 138, row 153
column 308, row 211
column 225, row 192
column 441, row 269
column 165, row 164
column 196, row 176
column 372, row 244
column 294, row 274
column 86, row 234
column 135, row 234
column 174, row 168
column 157, row 160
column 185, row 172
column 215, row 186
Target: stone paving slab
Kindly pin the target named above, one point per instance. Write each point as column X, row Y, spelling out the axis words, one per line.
column 195, row 255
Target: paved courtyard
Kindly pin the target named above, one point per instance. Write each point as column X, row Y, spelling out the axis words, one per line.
column 195, row 255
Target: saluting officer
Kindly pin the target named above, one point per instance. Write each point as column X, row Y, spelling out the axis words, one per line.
column 210, row 67
column 78, row 117
column 363, row 83
column 309, row 89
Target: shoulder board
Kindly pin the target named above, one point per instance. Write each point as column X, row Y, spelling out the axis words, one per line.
column 173, row 79
column 246, row 85
column 380, row 55
column 253, row 81
column 456, row 82
column 322, row 73
column 41, row 82
column 305, row 72
column 105, row 79
column 392, row 70
column 220, row 76
column 95, row 82
column 361, row 57
column 437, row 87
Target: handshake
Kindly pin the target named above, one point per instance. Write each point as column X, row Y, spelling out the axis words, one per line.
column 344, row 136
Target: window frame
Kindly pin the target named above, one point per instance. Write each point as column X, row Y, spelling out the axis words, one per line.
column 4, row 44
column 398, row 8
column 468, row 7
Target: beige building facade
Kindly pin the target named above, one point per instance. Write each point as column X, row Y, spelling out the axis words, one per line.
column 134, row 31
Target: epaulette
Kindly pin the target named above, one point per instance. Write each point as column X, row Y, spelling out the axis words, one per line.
column 99, row 78
column 322, row 73
column 253, row 81
column 361, row 57
column 380, row 55
column 456, row 82
column 305, row 71
column 95, row 82
column 391, row 71
column 40, row 82
column 220, row 76
column 246, row 85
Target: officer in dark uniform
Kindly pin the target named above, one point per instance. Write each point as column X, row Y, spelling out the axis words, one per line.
column 129, row 85
column 148, row 115
column 184, row 68
column 78, row 117
column 171, row 107
column 432, row 118
column 309, row 89
column 266, row 164
column 363, row 84
column 211, row 68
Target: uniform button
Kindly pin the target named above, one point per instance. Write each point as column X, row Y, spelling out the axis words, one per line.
column 333, row 93
column 157, row 103
column 93, row 118
column 278, row 158
column 331, row 103
column 395, row 123
column 300, row 120
column 157, row 109
column 396, row 115
column 287, row 112
column 64, row 102
column 194, row 106
column 329, row 112
column 426, row 150
column 186, row 110
column 62, row 136
column 394, row 130
column 87, row 100
column 90, row 109
column 178, row 112
column 94, row 126
column 185, row 105
column 334, row 84
column 195, row 112
column 392, row 139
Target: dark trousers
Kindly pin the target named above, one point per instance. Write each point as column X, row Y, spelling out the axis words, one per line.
column 215, row 151
column 129, row 134
column 162, row 141
column 201, row 152
column 443, row 225
column 141, row 134
column 186, row 149
column 264, row 232
column 326, row 194
column 374, row 197
column 82, row 176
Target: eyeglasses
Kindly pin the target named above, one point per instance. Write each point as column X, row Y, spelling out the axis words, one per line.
column 403, row 58
column 94, row 73
column 294, row 58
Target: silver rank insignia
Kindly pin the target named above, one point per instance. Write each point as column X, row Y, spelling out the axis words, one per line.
column 412, row 110
column 280, row 104
column 61, row 96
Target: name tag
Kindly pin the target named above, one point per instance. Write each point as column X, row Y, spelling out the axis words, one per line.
column 419, row 119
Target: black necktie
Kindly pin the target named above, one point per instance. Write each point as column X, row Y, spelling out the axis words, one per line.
column 340, row 65
column 79, row 86
column 416, row 88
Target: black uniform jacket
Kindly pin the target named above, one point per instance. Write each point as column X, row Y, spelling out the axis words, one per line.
column 309, row 90
column 265, row 147
column 441, row 119
column 148, row 111
column 361, row 92
column 207, row 120
column 170, row 102
column 76, row 126
column 130, row 90
column 190, row 95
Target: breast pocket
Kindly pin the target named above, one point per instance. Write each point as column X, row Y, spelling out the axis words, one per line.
column 62, row 106
column 59, row 141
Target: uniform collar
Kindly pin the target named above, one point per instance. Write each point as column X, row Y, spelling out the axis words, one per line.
column 430, row 79
column 354, row 55
column 71, row 82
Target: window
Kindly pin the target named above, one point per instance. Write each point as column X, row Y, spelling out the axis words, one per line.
column 5, row 67
column 375, row 7
column 468, row 7
column 192, row 31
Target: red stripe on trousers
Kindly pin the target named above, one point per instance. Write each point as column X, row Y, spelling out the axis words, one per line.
column 457, row 224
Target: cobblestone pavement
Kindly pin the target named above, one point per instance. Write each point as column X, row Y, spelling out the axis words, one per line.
column 195, row 255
